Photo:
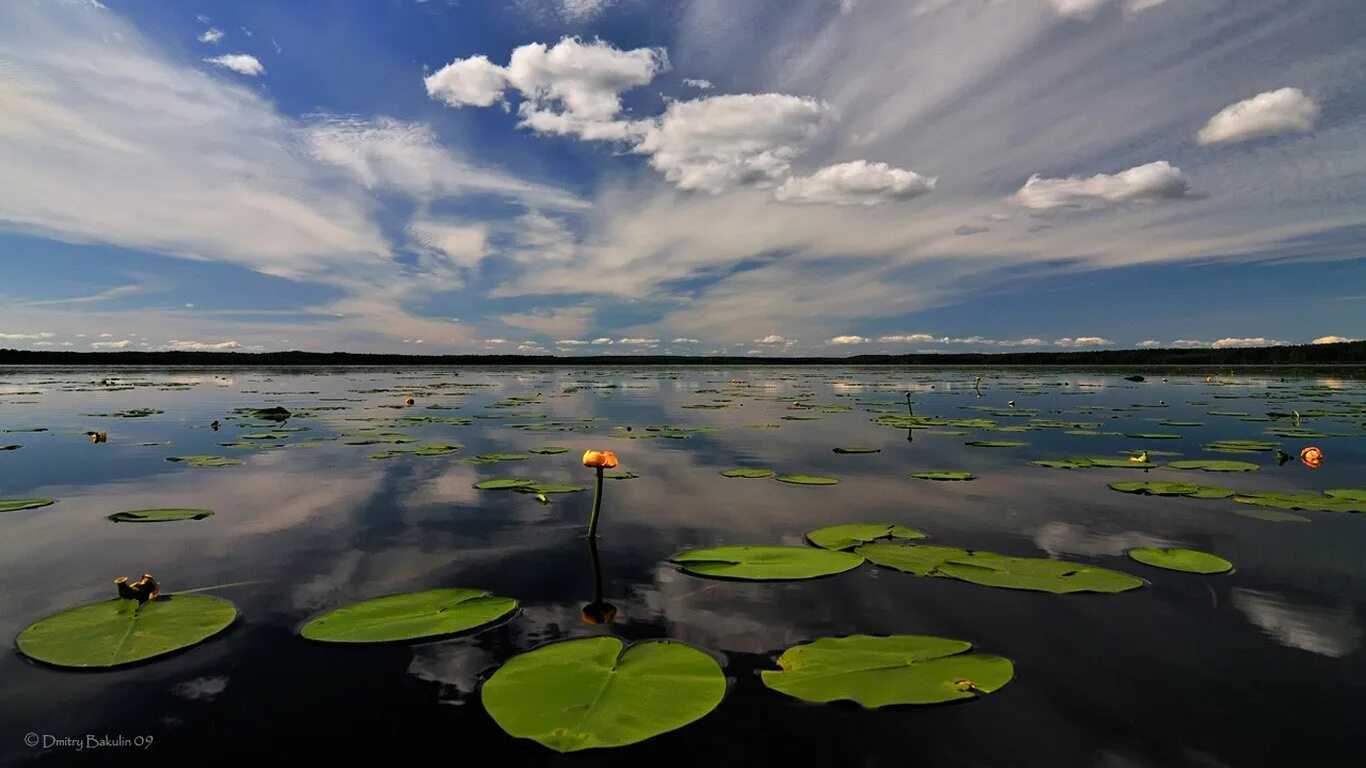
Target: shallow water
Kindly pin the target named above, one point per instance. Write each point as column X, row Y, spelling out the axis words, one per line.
column 1259, row 667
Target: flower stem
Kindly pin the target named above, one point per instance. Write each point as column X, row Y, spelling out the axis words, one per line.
column 597, row 507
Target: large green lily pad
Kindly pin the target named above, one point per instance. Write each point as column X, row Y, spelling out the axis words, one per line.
column 752, row 473
column 409, row 616
column 1184, row 560
column 765, row 563
column 549, row 450
column 1240, row 446
column 504, row 484
column 856, row 534
column 921, row 559
column 992, row 570
column 1214, row 465
column 14, row 505
column 857, row 449
column 160, row 515
column 807, row 480
column 205, row 461
column 1090, row 462
column 997, row 443
column 595, row 692
column 943, row 475
column 883, row 671
column 117, row 632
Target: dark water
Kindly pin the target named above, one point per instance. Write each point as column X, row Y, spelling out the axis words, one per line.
column 1260, row 667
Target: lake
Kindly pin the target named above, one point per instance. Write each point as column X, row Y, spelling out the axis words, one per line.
column 1260, row 666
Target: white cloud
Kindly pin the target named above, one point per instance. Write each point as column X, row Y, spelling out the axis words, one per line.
column 111, row 344
column 1083, row 341
column 1258, row 341
column 568, row 321
column 25, row 336
column 602, row 341
column 211, row 35
column 571, row 343
column 1188, row 343
column 1319, row 340
column 855, row 183
column 474, row 82
column 912, row 338
column 849, row 340
column 637, row 341
column 684, row 340
column 698, row 83
column 1087, row 9
column 717, row 142
column 582, row 10
column 201, row 346
column 1150, row 343
column 450, row 244
column 772, row 338
column 1286, row 110
column 241, row 63
column 1155, row 181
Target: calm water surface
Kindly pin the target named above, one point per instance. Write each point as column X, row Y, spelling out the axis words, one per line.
column 1260, row 667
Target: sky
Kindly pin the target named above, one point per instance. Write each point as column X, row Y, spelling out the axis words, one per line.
column 747, row 177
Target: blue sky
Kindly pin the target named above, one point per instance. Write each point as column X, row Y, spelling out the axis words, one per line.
column 684, row 176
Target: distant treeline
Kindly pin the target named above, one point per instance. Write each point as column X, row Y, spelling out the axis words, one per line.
column 1351, row 353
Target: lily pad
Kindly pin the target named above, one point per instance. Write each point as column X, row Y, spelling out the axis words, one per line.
column 504, row 484
column 807, row 480
column 596, row 692
column 920, row 559
column 549, row 450
column 623, row 474
column 766, row 563
column 117, row 632
column 997, row 443
column 943, row 475
column 1157, row 488
column 1090, row 462
column 1214, row 465
column 883, row 671
column 552, row 488
column 754, row 473
column 1184, row 560
column 1036, row 574
column 409, row 616
column 502, row 457
column 205, row 461
column 855, row 534
column 14, row 505
column 160, row 515
column 1240, row 446
column 857, row 449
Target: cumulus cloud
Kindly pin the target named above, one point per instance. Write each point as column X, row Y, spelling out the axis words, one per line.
column 636, row 341
column 571, row 88
column 698, row 83
column 1150, row 343
column 849, row 340
column 1319, row 340
column 211, row 35
column 684, row 340
column 1082, row 341
column 122, row 343
column 241, row 63
column 1155, row 181
column 855, row 183
column 201, row 346
column 25, row 336
column 772, row 338
column 1259, row 341
column 1286, row 110
column 716, row 142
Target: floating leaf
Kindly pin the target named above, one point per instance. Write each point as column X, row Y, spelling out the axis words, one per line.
column 997, row 444
column 502, row 457
column 1036, row 574
column 12, row 447
column 857, row 449
column 749, row 473
column 1157, row 488
column 117, row 632
column 807, row 480
column 205, row 461
column 1214, row 465
column 1184, row 560
column 14, row 505
column 854, row 534
column 409, row 616
column 504, row 484
column 1272, row 515
column 160, row 515
column 1090, row 462
column 766, row 563
column 620, row 475
column 1240, row 446
column 920, row 559
column 552, row 488
column 595, row 692
column 883, row 671
column 549, row 450
column 943, row 475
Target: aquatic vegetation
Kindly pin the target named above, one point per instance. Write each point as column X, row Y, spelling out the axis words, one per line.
column 992, row 570
column 1184, row 560
column 807, row 480
column 504, row 484
column 1089, row 462
column 205, row 461
column 855, row 449
column 997, row 444
column 15, row 505
column 1214, row 466
column 765, row 563
column 597, row 692
column 160, row 515
column 125, row 631
column 1240, row 446
column 549, row 450
column 599, row 461
column 409, row 616
column 884, row 671
column 851, row 535
column 751, row 472
column 944, row 475
column 1312, row 457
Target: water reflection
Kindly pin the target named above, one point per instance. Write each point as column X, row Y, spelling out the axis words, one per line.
column 1330, row 631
